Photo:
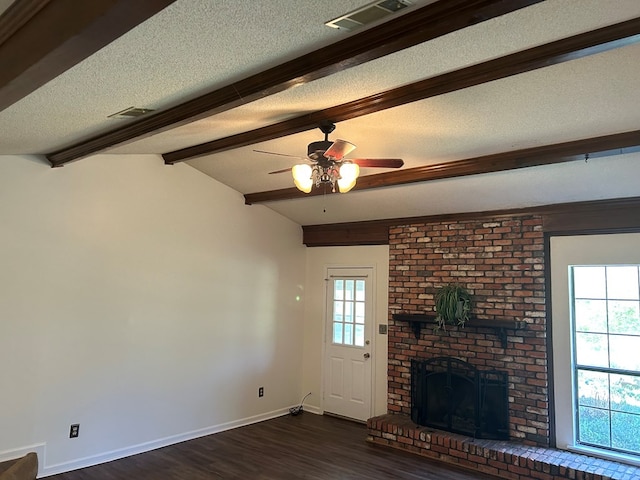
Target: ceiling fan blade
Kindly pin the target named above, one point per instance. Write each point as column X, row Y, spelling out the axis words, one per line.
column 279, row 154
column 378, row 162
column 284, row 170
column 339, row 149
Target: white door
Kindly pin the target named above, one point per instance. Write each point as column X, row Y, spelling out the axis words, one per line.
column 348, row 351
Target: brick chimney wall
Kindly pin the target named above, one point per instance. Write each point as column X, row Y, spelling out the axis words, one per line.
column 501, row 262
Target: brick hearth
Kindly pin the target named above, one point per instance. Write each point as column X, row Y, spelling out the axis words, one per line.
column 503, row 459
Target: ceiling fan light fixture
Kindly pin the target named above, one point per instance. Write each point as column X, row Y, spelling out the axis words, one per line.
column 303, row 177
column 329, row 167
column 344, row 175
column 348, row 175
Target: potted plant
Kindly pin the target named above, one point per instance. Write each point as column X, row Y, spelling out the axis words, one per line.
column 453, row 304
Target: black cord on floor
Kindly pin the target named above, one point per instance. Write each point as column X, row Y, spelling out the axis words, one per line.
column 298, row 409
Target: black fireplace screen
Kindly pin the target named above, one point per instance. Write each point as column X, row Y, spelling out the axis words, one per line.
column 450, row 394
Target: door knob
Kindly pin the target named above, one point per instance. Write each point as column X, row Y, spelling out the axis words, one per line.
column 366, row 355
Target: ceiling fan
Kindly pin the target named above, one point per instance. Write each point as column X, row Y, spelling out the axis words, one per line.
column 328, row 165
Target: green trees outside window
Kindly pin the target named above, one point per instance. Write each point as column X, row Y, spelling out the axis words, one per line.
column 606, row 356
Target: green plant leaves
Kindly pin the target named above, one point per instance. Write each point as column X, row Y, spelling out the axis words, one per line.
column 453, row 305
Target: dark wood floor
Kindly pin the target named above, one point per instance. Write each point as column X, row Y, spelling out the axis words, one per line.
column 306, row 446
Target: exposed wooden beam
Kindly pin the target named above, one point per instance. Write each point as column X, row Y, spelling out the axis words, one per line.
column 346, row 234
column 528, row 157
column 577, row 46
column 17, row 15
column 597, row 217
column 40, row 39
column 594, row 216
column 421, row 25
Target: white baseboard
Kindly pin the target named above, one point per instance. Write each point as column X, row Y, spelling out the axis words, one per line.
column 155, row 444
column 39, row 448
column 312, row 409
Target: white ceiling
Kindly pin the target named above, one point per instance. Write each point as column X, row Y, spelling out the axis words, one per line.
column 195, row 46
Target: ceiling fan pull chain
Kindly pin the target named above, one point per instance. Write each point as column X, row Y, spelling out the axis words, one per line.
column 324, row 200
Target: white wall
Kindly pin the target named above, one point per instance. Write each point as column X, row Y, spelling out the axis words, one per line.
column 145, row 302
column 577, row 250
column 318, row 260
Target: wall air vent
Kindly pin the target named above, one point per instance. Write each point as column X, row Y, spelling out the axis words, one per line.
column 131, row 112
column 368, row 14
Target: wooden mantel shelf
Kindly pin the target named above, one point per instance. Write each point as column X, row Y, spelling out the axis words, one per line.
column 418, row 321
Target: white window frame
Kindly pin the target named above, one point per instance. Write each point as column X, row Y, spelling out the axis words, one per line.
column 564, row 252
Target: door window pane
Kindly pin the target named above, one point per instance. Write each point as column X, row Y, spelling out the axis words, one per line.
column 360, row 312
column 348, row 290
column 360, row 335
column 337, row 311
column 337, row 332
column 348, row 334
column 348, row 312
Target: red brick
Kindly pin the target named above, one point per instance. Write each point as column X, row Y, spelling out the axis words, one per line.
column 502, row 263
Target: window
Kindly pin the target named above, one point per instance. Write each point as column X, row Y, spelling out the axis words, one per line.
column 606, row 356
column 348, row 312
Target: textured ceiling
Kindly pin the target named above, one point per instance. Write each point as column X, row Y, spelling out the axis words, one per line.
column 195, row 46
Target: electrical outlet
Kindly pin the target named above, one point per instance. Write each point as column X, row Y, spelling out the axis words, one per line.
column 74, row 431
column 261, row 392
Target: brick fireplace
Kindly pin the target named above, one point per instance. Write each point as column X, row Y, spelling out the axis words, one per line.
column 501, row 262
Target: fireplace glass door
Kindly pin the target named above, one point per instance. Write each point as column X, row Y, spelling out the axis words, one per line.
column 450, row 394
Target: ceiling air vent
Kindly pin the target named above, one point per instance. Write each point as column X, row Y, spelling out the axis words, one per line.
column 131, row 112
column 368, row 14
